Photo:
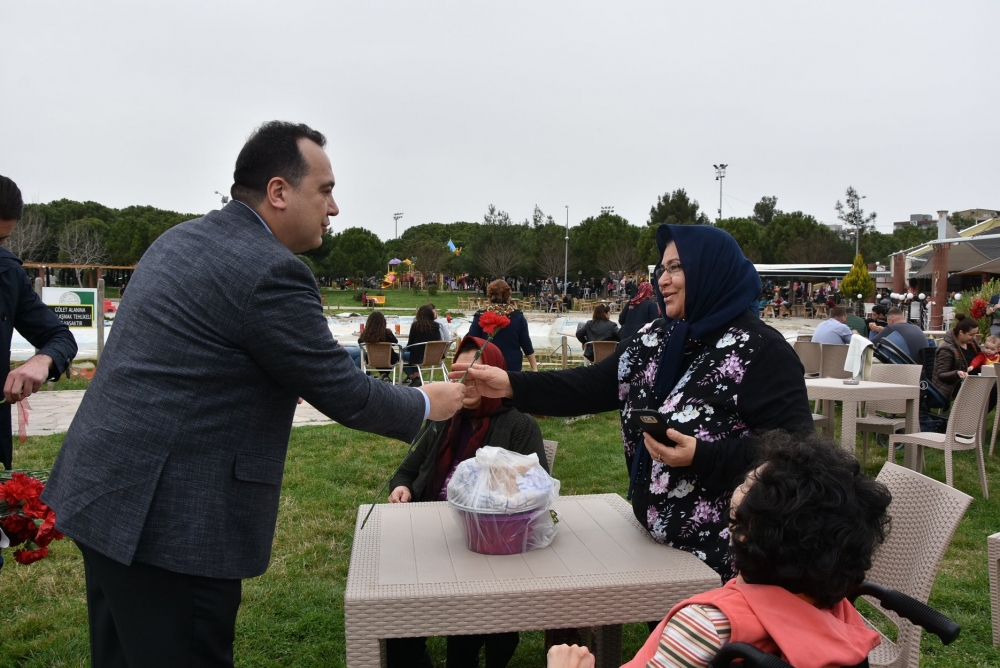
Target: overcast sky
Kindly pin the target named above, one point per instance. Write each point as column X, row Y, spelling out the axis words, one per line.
column 437, row 109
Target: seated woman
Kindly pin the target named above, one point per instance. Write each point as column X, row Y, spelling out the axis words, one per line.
column 953, row 357
column 599, row 328
column 423, row 329
column 424, row 476
column 376, row 331
column 803, row 527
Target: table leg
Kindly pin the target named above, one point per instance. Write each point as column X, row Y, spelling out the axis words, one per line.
column 608, row 646
column 848, row 425
column 910, row 450
column 365, row 653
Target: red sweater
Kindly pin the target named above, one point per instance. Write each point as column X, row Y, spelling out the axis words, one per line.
column 779, row 622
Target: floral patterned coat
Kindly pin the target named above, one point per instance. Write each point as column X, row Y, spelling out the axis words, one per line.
column 743, row 379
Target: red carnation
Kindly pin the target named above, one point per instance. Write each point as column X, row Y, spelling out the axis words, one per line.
column 979, row 308
column 30, row 556
column 21, row 487
column 19, row 529
column 491, row 322
column 47, row 532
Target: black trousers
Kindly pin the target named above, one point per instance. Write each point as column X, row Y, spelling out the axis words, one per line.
column 463, row 651
column 142, row 616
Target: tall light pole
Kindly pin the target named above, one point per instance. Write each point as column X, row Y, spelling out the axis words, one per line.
column 566, row 261
column 396, row 217
column 720, row 173
column 857, row 228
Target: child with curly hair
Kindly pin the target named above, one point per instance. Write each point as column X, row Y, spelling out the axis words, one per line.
column 803, row 527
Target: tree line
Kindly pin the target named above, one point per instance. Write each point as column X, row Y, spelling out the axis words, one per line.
column 602, row 245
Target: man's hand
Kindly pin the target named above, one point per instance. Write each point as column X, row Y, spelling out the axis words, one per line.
column 446, row 399
column 483, row 380
column 25, row 380
column 566, row 656
column 400, row 495
column 681, row 454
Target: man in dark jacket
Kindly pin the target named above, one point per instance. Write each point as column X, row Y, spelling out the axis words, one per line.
column 21, row 309
column 170, row 475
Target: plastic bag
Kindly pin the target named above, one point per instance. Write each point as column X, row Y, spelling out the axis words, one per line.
column 503, row 502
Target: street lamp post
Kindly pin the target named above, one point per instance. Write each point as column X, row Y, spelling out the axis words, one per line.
column 396, row 217
column 720, row 173
column 566, row 260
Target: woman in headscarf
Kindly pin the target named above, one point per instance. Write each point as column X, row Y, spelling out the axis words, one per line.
column 640, row 310
column 711, row 367
column 424, row 476
column 512, row 340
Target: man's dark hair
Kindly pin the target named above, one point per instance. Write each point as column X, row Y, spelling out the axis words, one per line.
column 838, row 312
column 878, row 308
column 11, row 204
column 271, row 151
column 810, row 519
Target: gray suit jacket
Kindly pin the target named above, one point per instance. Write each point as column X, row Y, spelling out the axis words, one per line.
column 176, row 455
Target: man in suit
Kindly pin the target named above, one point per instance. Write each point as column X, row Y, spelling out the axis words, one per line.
column 170, row 474
column 21, row 309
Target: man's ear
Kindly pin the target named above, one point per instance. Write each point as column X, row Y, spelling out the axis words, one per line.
column 277, row 191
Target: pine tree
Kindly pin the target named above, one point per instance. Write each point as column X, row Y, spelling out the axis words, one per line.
column 858, row 281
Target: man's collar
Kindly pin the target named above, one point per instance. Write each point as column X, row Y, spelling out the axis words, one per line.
column 251, row 209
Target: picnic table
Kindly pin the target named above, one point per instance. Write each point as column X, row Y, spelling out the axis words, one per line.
column 411, row 574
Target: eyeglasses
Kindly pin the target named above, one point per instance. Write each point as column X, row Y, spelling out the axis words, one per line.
column 674, row 268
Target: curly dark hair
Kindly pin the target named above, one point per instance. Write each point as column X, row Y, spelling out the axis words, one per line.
column 810, row 519
column 11, row 204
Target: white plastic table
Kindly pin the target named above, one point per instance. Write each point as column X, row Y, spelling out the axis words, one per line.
column 829, row 390
column 411, row 574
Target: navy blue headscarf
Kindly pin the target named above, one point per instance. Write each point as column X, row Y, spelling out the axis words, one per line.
column 720, row 283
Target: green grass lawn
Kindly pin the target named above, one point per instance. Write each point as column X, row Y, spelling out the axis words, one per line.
column 445, row 300
column 293, row 615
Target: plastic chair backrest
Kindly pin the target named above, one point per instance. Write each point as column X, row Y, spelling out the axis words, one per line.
column 434, row 352
column 969, row 409
column 550, row 452
column 924, row 514
column 602, row 349
column 810, row 354
column 834, row 356
column 900, row 374
column 379, row 355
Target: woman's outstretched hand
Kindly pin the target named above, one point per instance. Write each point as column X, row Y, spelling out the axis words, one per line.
column 483, row 380
column 566, row 656
column 681, row 454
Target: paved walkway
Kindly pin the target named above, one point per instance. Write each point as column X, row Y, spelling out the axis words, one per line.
column 51, row 413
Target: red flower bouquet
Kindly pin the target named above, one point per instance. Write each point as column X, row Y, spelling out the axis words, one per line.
column 25, row 519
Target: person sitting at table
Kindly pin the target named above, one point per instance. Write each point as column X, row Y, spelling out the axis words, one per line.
column 954, row 356
column 424, row 476
column 803, row 527
column 716, row 373
column 424, row 328
column 834, row 329
column 913, row 336
column 876, row 321
column 641, row 309
column 376, row 331
column 989, row 356
column 513, row 339
column 599, row 328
